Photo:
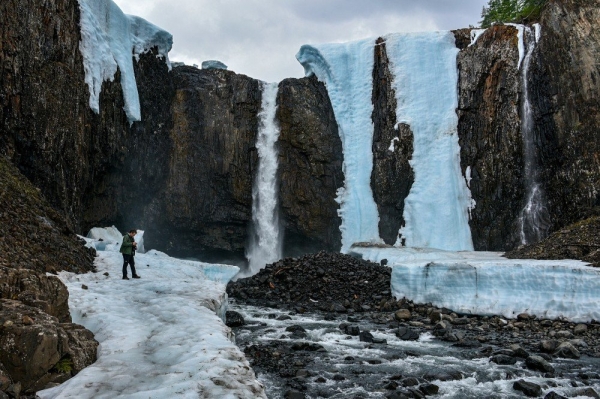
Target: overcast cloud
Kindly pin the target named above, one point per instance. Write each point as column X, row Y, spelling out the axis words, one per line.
column 260, row 38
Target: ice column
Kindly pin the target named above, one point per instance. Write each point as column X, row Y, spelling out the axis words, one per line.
column 534, row 218
column 436, row 211
column 109, row 40
column 347, row 71
column 265, row 238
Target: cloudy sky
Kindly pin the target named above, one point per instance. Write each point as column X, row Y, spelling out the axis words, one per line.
column 260, row 38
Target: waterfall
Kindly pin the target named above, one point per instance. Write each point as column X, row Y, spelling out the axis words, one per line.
column 534, row 219
column 265, row 238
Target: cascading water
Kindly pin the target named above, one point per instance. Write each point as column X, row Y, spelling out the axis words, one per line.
column 534, row 218
column 265, row 238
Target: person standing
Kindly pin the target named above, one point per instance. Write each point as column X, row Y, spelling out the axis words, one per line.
column 128, row 248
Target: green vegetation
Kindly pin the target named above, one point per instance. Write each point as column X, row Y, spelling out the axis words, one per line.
column 64, row 366
column 517, row 11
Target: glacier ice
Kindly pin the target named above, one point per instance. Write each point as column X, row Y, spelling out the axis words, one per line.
column 346, row 69
column 485, row 283
column 109, row 40
column 436, row 211
column 213, row 64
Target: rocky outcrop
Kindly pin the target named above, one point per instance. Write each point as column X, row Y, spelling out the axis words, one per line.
column 204, row 205
column 310, row 167
column 33, row 235
column 489, row 135
column 577, row 241
column 392, row 176
column 38, row 350
column 567, row 92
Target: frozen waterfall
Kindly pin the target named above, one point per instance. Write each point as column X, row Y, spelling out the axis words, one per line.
column 265, row 238
column 425, row 80
column 534, row 218
column 436, row 211
column 347, row 71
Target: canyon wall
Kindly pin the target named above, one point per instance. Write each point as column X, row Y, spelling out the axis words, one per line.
column 185, row 172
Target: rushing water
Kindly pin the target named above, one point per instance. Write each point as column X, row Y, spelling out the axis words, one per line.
column 368, row 369
column 534, row 219
column 265, row 241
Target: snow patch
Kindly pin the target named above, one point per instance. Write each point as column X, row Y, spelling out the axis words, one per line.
column 109, row 40
column 475, row 33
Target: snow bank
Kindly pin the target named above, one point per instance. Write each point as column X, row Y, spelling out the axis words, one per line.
column 110, row 39
column 347, row 71
column 485, row 283
column 161, row 336
column 436, row 211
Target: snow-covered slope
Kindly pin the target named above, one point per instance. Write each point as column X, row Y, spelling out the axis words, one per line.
column 485, row 283
column 161, row 336
column 110, row 39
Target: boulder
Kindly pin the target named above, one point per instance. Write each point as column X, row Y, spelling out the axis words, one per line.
column 528, row 388
column 31, row 351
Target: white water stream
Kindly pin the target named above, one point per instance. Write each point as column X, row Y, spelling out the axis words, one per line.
column 265, row 238
column 534, row 218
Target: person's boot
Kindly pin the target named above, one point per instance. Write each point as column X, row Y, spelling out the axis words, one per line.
column 125, row 278
column 135, row 276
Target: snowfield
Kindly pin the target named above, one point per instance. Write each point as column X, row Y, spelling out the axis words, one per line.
column 161, row 336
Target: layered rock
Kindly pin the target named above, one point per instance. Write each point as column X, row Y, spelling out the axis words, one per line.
column 392, row 176
column 489, row 134
column 567, row 94
column 310, row 167
column 205, row 204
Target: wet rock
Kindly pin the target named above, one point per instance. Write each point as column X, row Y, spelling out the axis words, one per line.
column 429, row 389
column 567, row 350
column 538, row 363
column 234, row 319
column 503, row 360
column 518, row 351
column 294, row 395
column 588, row 391
column 407, row 334
column 410, row 382
column 554, row 395
column 366, row 336
column 580, row 329
column 528, row 388
column 548, row 346
column 402, row 315
column 443, row 375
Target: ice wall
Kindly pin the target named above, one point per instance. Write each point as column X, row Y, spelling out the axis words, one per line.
column 485, row 283
column 346, row 69
column 436, row 211
column 266, row 240
column 110, row 39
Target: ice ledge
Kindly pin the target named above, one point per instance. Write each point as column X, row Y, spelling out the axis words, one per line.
column 485, row 283
column 109, row 40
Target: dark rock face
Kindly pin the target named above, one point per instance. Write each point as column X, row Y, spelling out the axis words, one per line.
column 490, row 136
column 392, row 176
column 310, row 167
column 205, row 203
column 568, row 72
column 34, row 342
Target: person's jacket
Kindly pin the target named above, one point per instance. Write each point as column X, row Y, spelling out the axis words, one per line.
column 127, row 245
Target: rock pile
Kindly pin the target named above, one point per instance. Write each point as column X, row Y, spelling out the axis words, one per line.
column 577, row 241
column 328, row 282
